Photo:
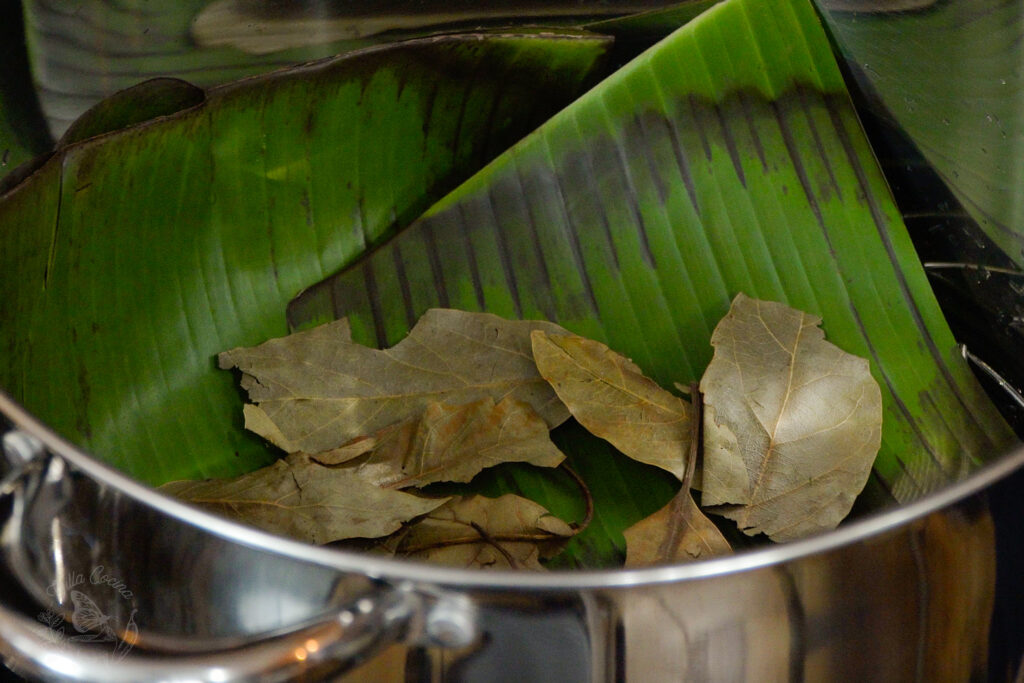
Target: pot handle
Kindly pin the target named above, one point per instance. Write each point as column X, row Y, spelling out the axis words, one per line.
column 325, row 646
column 329, row 646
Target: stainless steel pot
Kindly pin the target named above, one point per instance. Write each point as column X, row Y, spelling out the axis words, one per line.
column 930, row 591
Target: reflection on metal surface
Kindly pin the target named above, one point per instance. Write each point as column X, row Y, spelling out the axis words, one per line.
column 262, row 27
column 83, row 51
column 21, row 447
column 906, row 596
column 881, row 6
column 308, row 653
column 733, row 628
column 950, row 76
column 991, row 372
column 908, row 613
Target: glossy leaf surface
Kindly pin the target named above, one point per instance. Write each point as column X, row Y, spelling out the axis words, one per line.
column 727, row 158
column 948, row 74
column 131, row 259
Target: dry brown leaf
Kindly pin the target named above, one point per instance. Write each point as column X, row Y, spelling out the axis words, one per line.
column 453, row 443
column 316, row 390
column 611, row 397
column 361, row 445
column 300, row 498
column 678, row 532
column 487, row 533
column 792, row 423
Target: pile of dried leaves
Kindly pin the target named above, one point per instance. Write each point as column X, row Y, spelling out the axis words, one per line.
column 780, row 435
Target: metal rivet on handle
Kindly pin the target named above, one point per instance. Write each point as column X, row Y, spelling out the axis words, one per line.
column 451, row 622
column 21, row 447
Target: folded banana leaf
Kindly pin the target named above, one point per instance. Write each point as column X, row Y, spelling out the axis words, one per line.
column 22, row 129
column 132, row 257
column 954, row 84
column 726, row 159
column 82, row 52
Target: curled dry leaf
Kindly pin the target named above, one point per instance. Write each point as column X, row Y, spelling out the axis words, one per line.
column 361, row 445
column 792, row 423
column 489, row 533
column 300, row 498
column 611, row 397
column 315, row 390
column 453, row 443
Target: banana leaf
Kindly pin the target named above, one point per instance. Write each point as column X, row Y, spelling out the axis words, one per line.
column 131, row 258
column 949, row 74
column 726, row 159
column 22, row 130
column 83, row 51
column 638, row 31
column 650, row 25
column 137, row 104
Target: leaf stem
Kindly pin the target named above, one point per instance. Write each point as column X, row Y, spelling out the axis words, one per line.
column 588, row 500
column 667, row 549
column 463, row 540
column 696, row 433
column 486, row 537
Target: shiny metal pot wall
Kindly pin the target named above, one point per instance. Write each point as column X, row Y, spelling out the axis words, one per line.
column 170, row 593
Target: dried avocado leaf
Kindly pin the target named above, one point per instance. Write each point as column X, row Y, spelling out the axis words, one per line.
column 300, row 498
column 361, row 445
column 319, row 390
column 486, row 533
column 678, row 532
column 453, row 443
column 792, row 423
column 611, row 397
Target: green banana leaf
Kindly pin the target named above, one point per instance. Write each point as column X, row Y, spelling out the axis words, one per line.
column 726, row 159
column 22, row 131
column 636, row 32
column 950, row 76
column 651, row 25
column 15, row 147
column 131, row 258
column 137, row 104
column 82, row 51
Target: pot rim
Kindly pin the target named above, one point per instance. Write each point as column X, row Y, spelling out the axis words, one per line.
column 397, row 571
